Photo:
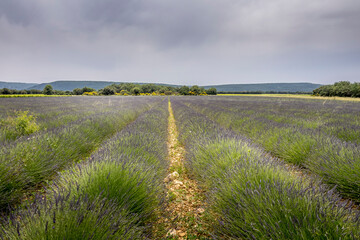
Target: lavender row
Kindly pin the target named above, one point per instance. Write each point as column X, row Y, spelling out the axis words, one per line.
column 322, row 152
column 338, row 119
column 113, row 195
column 25, row 164
column 254, row 196
column 51, row 113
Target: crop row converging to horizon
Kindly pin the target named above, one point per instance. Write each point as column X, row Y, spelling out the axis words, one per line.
column 94, row 168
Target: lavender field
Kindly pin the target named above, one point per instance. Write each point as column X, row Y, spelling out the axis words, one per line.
column 321, row 136
column 101, row 168
column 275, row 168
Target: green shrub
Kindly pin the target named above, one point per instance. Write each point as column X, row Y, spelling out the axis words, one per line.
column 294, row 147
column 75, row 218
column 22, row 124
column 339, row 165
column 255, row 196
column 131, row 185
column 48, row 90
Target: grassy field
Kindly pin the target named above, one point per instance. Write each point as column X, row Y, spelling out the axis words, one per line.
column 215, row 167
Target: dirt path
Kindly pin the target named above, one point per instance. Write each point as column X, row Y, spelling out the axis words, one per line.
column 183, row 216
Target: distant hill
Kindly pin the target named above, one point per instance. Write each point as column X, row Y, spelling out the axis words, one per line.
column 266, row 87
column 71, row 85
column 16, row 85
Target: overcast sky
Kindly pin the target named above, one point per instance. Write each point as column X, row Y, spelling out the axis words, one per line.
column 182, row 42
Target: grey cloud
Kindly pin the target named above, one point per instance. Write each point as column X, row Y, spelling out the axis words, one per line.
column 20, row 11
column 164, row 23
column 123, row 13
column 139, row 38
column 168, row 24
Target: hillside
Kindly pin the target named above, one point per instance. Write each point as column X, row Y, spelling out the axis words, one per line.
column 71, row 85
column 264, row 87
column 16, row 85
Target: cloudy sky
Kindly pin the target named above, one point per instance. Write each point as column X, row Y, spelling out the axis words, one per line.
column 183, row 42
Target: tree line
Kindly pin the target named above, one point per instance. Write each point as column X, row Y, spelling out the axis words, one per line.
column 339, row 89
column 120, row 89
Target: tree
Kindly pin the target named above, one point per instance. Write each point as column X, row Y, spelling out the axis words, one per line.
column 58, row 92
column 341, row 89
column 149, row 88
column 107, row 91
column 184, row 90
column 163, row 89
column 48, row 90
column 77, row 91
column 124, row 92
column 135, row 91
column 87, row 89
column 6, row 91
column 211, row 91
column 34, row 91
column 196, row 89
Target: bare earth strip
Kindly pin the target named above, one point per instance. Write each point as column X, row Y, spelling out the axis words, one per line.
column 183, row 215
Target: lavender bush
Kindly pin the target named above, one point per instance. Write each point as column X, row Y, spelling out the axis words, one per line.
column 112, row 195
column 319, row 135
column 26, row 163
column 254, row 196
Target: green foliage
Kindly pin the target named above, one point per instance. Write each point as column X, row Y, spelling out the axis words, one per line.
column 77, row 91
column 124, row 92
column 22, row 124
column 148, row 88
column 211, row 91
column 273, row 209
column 133, row 186
column 292, row 146
column 197, row 90
column 107, row 91
column 163, row 89
column 80, row 91
column 87, row 89
column 307, row 133
column 136, row 91
column 339, row 164
column 30, row 162
column 254, row 196
column 6, row 91
column 340, row 89
column 75, row 218
column 113, row 195
column 184, row 90
column 48, row 90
